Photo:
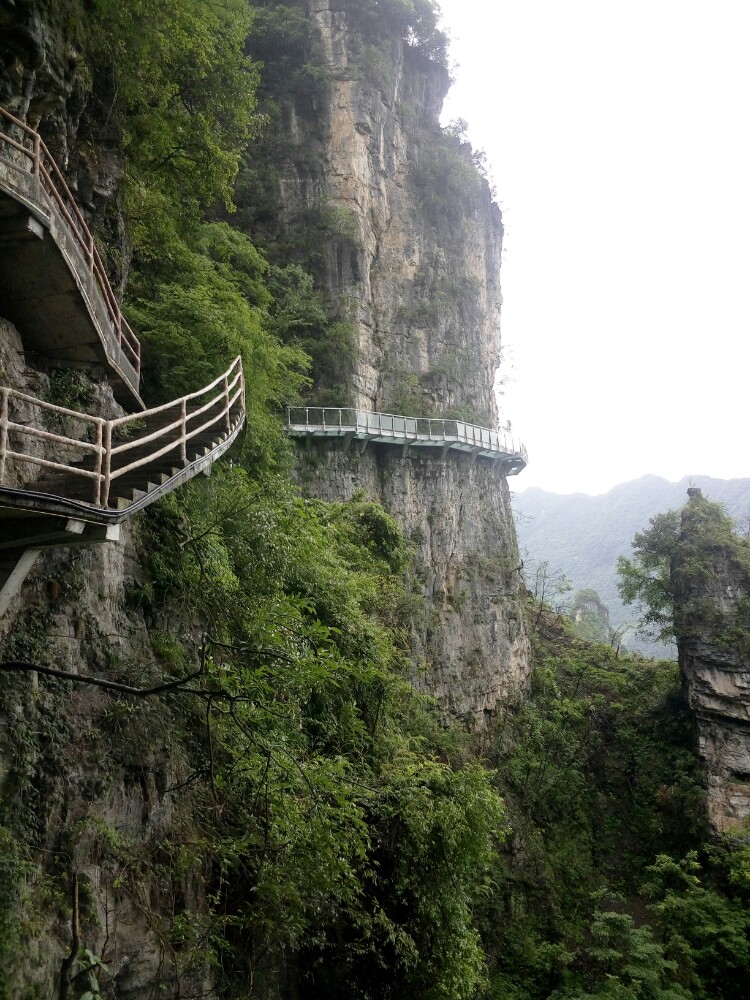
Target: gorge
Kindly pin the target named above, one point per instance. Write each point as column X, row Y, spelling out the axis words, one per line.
column 296, row 730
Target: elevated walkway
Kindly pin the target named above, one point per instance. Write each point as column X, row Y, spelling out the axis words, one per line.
column 53, row 285
column 108, row 473
column 440, row 435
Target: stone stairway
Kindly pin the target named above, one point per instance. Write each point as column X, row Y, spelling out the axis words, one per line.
column 144, row 483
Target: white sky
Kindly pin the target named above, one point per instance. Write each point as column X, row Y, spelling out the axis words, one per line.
column 618, row 136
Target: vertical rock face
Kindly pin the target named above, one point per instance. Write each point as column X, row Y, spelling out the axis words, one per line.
column 714, row 656
column 422, row 278
column 411, row 257
column 45, row 82
column 411, row 239
column 469, row 645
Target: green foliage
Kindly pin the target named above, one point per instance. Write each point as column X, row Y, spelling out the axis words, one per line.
column 415, row 20
column 90, row 966
column 14, row 870
column 706, row 933
column 624, row 962
column 69, row 388
column 206, row 303
column 599, row 777
column 361, row 838
column 186, row 95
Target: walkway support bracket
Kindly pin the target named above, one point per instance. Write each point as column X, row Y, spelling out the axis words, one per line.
column 440, row 434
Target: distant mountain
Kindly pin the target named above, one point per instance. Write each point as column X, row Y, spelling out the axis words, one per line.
column 582, row 536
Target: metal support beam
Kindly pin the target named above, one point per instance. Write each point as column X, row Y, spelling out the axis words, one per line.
column 12, row 579
column 18, row 557
column 50, row 532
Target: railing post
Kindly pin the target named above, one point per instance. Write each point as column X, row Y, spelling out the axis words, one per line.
column 107, row 469
column 183, row 431
column 227, row 421
column 3, row 432
column 37, row 168
column 98, row 467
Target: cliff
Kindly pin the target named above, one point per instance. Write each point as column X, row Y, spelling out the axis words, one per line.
column 410, row 264
column 300, row 797
column 710, row 576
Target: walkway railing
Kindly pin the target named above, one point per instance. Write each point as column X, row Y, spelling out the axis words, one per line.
column 35, row 176
column 118, row 447
column 421, row 431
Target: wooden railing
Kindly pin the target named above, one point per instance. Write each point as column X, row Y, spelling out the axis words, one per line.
column 47, row 189
column 327, row 421
column 103, row 457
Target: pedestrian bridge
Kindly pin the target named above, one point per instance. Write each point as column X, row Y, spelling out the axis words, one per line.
column 439, row 434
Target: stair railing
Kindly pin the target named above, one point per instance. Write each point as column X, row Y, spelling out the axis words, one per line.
column 102, row 456
column 48, row 190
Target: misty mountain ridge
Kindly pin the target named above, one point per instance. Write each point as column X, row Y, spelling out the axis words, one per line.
column 582, row 536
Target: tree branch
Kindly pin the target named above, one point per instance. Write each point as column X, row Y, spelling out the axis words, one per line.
column 15, row 666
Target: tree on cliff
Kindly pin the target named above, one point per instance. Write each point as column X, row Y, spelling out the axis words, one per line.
column 645, row 579
column 674, row 563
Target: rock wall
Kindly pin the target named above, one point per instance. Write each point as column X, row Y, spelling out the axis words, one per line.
column 412, row 243
column 469, row 644
column 715, row 663
column 423, row 279
column 414, row 262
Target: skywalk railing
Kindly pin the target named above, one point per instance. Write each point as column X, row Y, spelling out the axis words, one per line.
column 34, row 175
column 107, row 443
column 368, row 425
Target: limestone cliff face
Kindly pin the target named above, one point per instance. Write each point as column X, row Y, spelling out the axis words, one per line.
column 45, row 82
column 412, row 242
column 423, row 277
column 715, row 665
column 469, row 644
column 411, row 257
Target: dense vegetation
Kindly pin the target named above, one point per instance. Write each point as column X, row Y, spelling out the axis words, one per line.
column 331, row 837
column 607, row 889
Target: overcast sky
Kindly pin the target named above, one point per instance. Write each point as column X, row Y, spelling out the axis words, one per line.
column 617, row 137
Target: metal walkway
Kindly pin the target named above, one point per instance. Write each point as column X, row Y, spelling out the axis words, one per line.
column 53, row 285
column 440, row 435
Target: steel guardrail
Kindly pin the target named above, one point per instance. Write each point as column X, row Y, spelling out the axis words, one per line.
column 328, row 421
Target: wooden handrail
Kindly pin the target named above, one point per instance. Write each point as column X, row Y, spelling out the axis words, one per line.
column 49, row 181
column 223, row 408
